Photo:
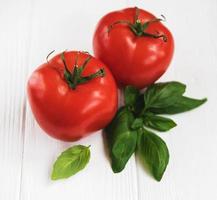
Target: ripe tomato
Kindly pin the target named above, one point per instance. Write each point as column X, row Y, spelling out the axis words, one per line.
column 70, row 105
column 135, row 45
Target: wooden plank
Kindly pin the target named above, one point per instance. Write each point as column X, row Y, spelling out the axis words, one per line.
column 14, row 40
column 193, row 162
column 69, row 25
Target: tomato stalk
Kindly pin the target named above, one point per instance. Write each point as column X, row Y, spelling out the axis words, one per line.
column 138, row 28
column 76, row 78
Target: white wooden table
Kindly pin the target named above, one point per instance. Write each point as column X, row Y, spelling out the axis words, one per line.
column 30, row 29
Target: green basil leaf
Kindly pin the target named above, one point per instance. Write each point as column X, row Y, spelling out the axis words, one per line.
column 163, row 94
column 131, row 95
column 121, row 139
column 70, row 162
column 182, row 104
column 158, row 122
column 153, row 152
column 137, row 123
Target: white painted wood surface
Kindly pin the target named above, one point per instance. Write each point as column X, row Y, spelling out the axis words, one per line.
column 30, row 29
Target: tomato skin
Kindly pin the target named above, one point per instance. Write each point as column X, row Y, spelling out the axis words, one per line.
column 68, row 114
column 133, row 60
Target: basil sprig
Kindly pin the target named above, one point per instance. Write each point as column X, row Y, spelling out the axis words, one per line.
column 129, row 130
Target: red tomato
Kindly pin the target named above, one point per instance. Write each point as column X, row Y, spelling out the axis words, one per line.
column 135, row 45
column 70, row 105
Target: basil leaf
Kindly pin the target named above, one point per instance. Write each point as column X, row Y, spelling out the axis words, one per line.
column 163, row 94
column 70, row 162
column 137, row 123
column 182, row 104
column 121, row 139
column 153, row 152
column 131, row 95
column 158, row 122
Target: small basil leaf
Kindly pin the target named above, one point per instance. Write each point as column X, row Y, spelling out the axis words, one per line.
column 163, row 94
column 137, row 123
column 158, row 122
column 121, row 139
column 70, row 162
column 182, row 104
column 153, row 152
column 131, row 95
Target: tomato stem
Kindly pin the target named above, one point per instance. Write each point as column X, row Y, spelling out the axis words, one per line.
column 138, row 28
column 156, row 36
column 49, row 56
column 76, row 78
column 136, row 17
column 120, row 22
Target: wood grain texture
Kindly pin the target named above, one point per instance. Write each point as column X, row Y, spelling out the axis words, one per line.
column 14, row 51
column 30, row 30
